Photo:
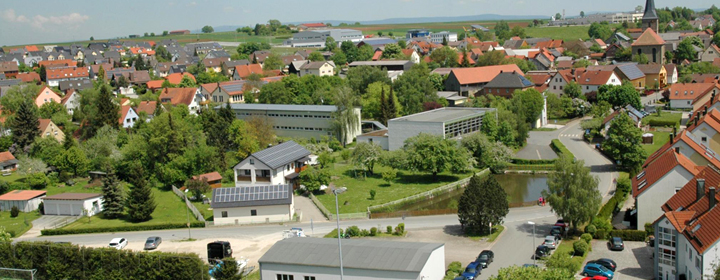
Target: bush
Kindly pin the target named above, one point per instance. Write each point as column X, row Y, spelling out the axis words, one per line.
column 600, row 234
column 531, row 161
column 590, row 229
column 630, row 235
column 581, row 247
column 373, row 231
column 364, row 232
column 333, row 234
column 649, row 229
column 663, row 123
column 372, row 194
column 562, row 261
column 14, row 212
column 455, row 267
column 353, row 231
column 624, row 185
column 388, row 230
column 560, row 148
column 603, row 224
column 400, row 229
column 61, row 231
column 586, row 237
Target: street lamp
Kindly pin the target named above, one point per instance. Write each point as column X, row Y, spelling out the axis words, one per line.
column 337, row 191
column 533, row 238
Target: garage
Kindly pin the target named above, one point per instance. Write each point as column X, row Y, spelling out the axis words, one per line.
column 73, row 204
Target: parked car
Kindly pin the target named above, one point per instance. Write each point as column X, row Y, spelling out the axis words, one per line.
column 118, row 243
column 542, row 251
column 593, row 269
column 558, row 232
column 616, row 244
column 472, row 270
column 218, row 250
column 596, row 277
column 561, row 223
column 607, row 263
column 152, row 242
column 550, row 242
column 485, row 258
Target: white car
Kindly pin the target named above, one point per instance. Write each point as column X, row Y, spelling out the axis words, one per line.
column 550, row 242
column 118, row 243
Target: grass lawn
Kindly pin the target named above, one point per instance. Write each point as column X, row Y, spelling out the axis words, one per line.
column 205, row 208
column 81, row 186
column 664, row 116
column 488, row 237
column 565, row 33
column 14, row 176
column 658, row 141
column 17, row 226
column 170, row 209
column 357, row 197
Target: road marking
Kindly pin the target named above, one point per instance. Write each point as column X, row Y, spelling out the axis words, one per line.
column 538, row 153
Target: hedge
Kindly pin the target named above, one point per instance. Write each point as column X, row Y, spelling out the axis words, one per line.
column 663, row 123
column 600, row 234
column 67, row 261
column 560, row 148
column 629, row 235
column 62, row 231
column 532, row 161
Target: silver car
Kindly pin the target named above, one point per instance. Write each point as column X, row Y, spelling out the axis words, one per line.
column 152, row 242
column 550, row 242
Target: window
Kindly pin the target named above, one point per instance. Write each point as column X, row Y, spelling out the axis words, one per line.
column 247, row 172
column 252, row 161
column 224, row 214
column 253, row 212
column 704, row 139
column 285, row 277
column 309, row 278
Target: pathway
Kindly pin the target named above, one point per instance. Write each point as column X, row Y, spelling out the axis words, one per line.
column 310, row 212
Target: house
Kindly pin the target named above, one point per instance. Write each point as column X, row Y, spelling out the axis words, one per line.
column 30, row 77
column 707, row 128
column 651, row 45
column 53, row 64
column 76, row 85
column 659, row 181
column 276, row 165
column 244, row 71
column 231, row 91
column 214, row 179
column 631, row 73
column 56, row 75
column 147, row 107
column 379, row 137
column 189, row 97
column 317, row 68
column 710, row 54
column 471, row 80
column 253, row 204
column 633, row 113
column 389, row 65
column 9, row 68
column 655, row 75
column 73, row 204
column 128, row 117
column 453, row 98
column 590, row 81
column 71, row 101
column 506, row 83
column 317, row 258
column 686, row 233
column 49, row 129
column 671, row 73
column 559, row 80
column 95, row 70
column 24, row 200
column 690, row 146
column 176, row 78
column 46, row 95
column 8, row 162
column 691, row 96
column 412, row 55
column 214, row 64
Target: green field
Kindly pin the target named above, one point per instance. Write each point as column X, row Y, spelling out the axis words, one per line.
column 664, row 117
column 565, row 33
column 18, row 225
column 658, row 141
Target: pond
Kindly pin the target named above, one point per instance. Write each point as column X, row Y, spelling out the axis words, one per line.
column 521, row 189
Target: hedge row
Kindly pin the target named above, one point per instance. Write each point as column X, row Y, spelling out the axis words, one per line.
column 560, row 148
column 532, row 161
column 62, row 231
column 629, row 235
column 65, row 261
column 663, row 123
column 612, row 206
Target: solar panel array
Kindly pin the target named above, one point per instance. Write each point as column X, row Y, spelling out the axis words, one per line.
column 253, row 193
column 233, row 86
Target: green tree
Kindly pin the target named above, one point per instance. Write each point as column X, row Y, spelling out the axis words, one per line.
column 433, row 154
column 108, row 112
column 465, row 62
column 393, row 107
column 489, row 126
column 483, row 202
column 74, row 160
column 506, row 134
column 208, row 29
column 572, row 90
column 228, row 270
column 624, row 143
column 345, row 119
column 365, row 53
column 487, row 153
column 445, row 56
column 599, row 31
column 532, row 273
column 248, row 48
column 330, row 44
column 325, row 159
column 140, row 202
column 165, row 33
column 197, row 187
column 387, row 176
column 365, row 155
column 414, row 89
column 187, row 82
column 242, row 139
column 113, row 197
column 582, row 14
column 339, row 58
column 359, row 78
column 350, row 50
column 640, row 59
column 491, row 58
column 619, row 96
column 685, row 50
column 24, row 125
column 572, row 192
column 316, row 56
column 162, row 54
column 518, row 31
column 312, row 178
column 101, row 74
column 558, row 16
column 393, row 51
column 273, row 62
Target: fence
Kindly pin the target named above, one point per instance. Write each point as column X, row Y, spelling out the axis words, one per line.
column 412, row 213
column 189, row 205
column 391, row 206
column 64, row 222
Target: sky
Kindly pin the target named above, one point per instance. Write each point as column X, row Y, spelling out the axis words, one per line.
column 47, row 21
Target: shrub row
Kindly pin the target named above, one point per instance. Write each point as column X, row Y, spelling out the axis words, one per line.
column 613, row 205
column 355, row 231
column 62, row 231
column 532, row 161
column 629, row 235
column 560, row 148
column 663, row 123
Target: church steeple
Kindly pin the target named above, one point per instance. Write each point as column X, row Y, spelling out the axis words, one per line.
column 650, row 18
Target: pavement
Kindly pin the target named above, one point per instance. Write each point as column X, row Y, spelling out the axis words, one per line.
column 538, row 145
column 635, row 262
column 309, row 211
column 46, row 222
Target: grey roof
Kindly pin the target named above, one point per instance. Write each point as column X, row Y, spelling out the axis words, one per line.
column 251, row 196
column 316, row 64
column 638, row 114
column 631, row 71
column 509, row 80
column 445, row 114
column 76, row 84
column 650, row 12
column 281, row 154
column 357, row 253
column 10, row 82
column 283, row 107
column 233, row 86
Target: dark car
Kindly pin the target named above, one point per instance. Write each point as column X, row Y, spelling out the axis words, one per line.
column 542, row 251
column 472, row 271
column 152, row 242
column 607, row 263
column 218, row 250
column 485, row 258
column 616, row 244
column 557, row 231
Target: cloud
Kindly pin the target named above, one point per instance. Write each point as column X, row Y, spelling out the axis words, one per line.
column 69, row 20
column 9, row 16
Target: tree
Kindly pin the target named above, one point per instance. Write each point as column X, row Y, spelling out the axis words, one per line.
column 28, row 165
column 365, row 53
column 582, row 14
column 445, row 56
column 483, row 202
column 113, row 206
column 140, row 202
column 339, row 58
column 465, row 62
column 487, row 153
column 101, row 74
column 37, row 181
column 345, row 119
column 5, row 236
column 312, row 178
column 518, row 31
column 228, row 270
column 489, row 126
column 108, row 111
column 433, row 154
column 640, row 58
column 197, row 187
column 359, row 78
column 242, row 140
column 162, row 54
column 572, row 192
column 273, row 62
column 619, row 96
column 383, row 114
column 402, row 44
column 624, row 143
column 572, row 90
column 73, row 160
column 248, row 48
column 316, row 56
column 506, row 134
column 599, row 31
column 24, row 125
column 686, row 50
column 43, row 73
column 414, row 89
column 366, row 155
column 208, row 29
column 330, row 44
column 325, row 159
column 165, row 33
column 491, row 58
column 187, row 82
column 393, row 51
column 122, row 82
column 558, row 16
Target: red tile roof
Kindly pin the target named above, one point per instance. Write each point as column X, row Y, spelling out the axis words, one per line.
column 28, row 77
column 478, row 75
column 648, row 38
column 22, row 195
column 154, row 84
column 209, row 87
column 66, row 73
column 176, row 78
column 177, row 96
column 123, row 113
column 311, row 25
column 408, row 52
column 212, row 176
column 657, row 170
column 44, row 123
column 58, row 63
column 8, row 66
column 32, row 48
column 142, row 50
column 712, row 119
column 243, row 71
column 377, row 55
column 700, row 149
column 5, row 156
column 146, row 106
column 460, row 59
column 594, row 78
column 685, row 91
column 550, row 44
column 539, row 78
column 600, row 43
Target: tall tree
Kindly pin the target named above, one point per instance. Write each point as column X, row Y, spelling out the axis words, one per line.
column 465, row 59
column 483, row 202
column 101, row 74
column 366, row 155
column 113, row 197
column 108, row 112
column 316, row 56
column 208, row 29
column 345, row 118
column 25, row 125
column 624, row 143
column 506, row 134
column 359, row 78
column 392, row 106
column 140, row 202
column 620, row 96
column 487, row 153
column 572, row 191
column 393, row 51
column 73, row 160
column 273, row 62
column 383, row 118
column 489, row 126
column 433, row 154
column 572, row 90
column 445, row 56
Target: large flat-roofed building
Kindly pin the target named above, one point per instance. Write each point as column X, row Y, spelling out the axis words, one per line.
column 450, row 122
column 303, row 121
column 390, row 65
column 316, row 38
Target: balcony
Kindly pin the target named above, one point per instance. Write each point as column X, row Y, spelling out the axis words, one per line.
column 249, row 179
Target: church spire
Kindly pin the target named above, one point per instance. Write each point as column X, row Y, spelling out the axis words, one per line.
column 650, row 12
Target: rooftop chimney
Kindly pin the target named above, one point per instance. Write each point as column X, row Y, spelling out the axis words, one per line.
column 677, row 150
column 672, row 137
column 705, row 111
column 675, row 130
column 712, row 97
column 711, row 200
column 700, row 189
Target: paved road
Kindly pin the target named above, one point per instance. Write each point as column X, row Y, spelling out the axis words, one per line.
column 600, row 166
column 538, row 145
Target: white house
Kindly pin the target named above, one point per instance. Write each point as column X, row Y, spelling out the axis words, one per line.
column 591, row 81
column 559, row 81
column 73, row 204
column 191, row 97
column 71, row 101
column 438, row 37
column 672, row 73
column 276, row 165
column 379, row 137
column 128, row 116
column 363, row 259
column 317, row 68
column 251, row 205
column 24, row 200
column 691, row 96
column 658, row 182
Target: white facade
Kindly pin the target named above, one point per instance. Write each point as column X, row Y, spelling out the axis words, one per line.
column 23, row 205
column 398, row 132
column 254, row 214
column 130, row 118
column 677, row 256
column 72, row 102
column 681, row 103
column 650, row 200
column 438, row 37
column 325, row 70
column 448, row 122
column 63, row 207
column 613, row 80
column 252, row 171
column 557, row 84
column 381, row 140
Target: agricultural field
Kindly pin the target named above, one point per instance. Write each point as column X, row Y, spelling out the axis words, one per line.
column 400, row 29
column 565, row 33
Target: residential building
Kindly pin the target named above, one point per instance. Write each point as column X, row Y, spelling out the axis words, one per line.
column 379, row 137
column 276, row 165
column 8, row 162
column 559, row 81
column 214, row 64
column 46, row 95
column 506, row 83
column 128, row 116
column 73, row 204
column 691, row 96
column 252, row 205
column 24, row 200
column 147, row 107
column 655, row 75
column 361, row 259
column 31, row 77
column 590, row 81
column 303, row 121
column 232, row 91
column 446, row 36
column 49, row 129
column 214, row 179
column 389, row 65
column 71, row 101
column 453, row 98
column 9, row 69
column 471, row 80
column 76, row 85
column 690, row 146
column 317, row 68
column 56, row 75
column 671, row 73
column 243, row 71
column 651, row 45
column 448, row 122
column 189, row 97
column 710, row 54
column 706, row 127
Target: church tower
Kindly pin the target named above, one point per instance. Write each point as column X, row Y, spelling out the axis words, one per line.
column 650, row 18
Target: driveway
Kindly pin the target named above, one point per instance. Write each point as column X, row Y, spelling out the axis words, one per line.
column 635, row 262
column 538, row 145
column 46, row 222
column 309, row 211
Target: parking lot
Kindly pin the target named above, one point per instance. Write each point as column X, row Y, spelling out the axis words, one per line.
column 635, row 262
